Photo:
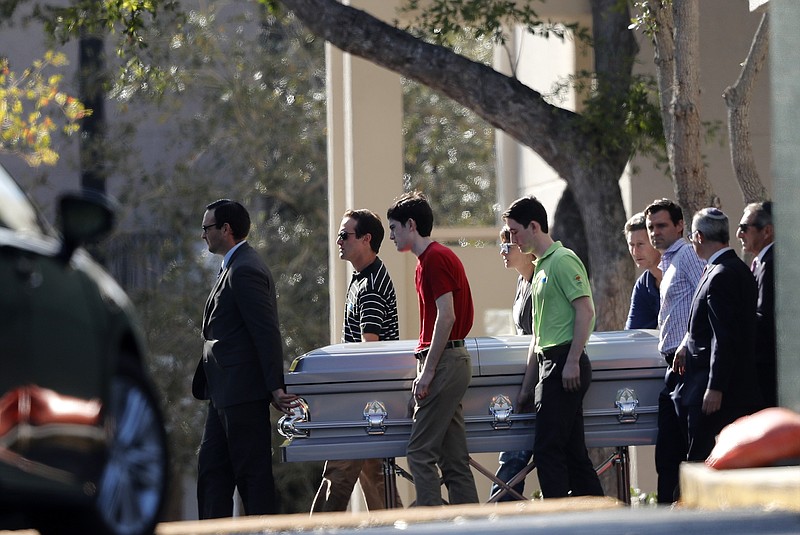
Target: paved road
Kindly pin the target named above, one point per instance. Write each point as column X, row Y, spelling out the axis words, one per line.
column 595, row 516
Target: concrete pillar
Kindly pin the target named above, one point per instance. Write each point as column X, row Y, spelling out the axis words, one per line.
column 784, row 46
column 365, row 158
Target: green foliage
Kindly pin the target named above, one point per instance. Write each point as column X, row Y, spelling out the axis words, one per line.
column 128, row 18
column 444, row 20
column 28, row 103
column 643, row 18
column 449, row 151
column 629, row 122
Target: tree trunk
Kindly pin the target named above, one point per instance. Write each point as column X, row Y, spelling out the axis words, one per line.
column 568, row 227
column 693, row 189
column 737, row 99
column 597, row 193
column 664, row 46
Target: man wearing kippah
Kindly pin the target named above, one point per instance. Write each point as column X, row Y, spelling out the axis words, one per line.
column 717, row 355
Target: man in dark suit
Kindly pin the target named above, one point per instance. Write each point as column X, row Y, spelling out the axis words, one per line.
column 717, row 355
column 240, row 373
column 757, row 234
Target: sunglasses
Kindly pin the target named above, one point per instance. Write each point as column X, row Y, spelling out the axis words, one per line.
column 744, row 226
column 344, row 234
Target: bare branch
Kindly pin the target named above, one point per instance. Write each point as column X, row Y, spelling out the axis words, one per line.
column 737, row 99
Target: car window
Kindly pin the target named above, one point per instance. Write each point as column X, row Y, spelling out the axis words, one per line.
column 16, row 212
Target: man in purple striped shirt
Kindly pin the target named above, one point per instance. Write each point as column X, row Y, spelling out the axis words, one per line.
column 681, row 269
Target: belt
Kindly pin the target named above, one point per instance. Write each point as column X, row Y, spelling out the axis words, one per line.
column 421, row 354
column 669, row 356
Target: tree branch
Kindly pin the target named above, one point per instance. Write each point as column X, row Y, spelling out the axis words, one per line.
column 502, row 101
column 737, row 99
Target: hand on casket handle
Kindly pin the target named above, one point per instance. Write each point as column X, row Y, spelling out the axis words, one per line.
column 284, row 401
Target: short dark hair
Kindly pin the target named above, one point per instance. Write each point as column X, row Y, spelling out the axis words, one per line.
column 413, row 205
column 527, row 209
column 636, row 222
column 368, row 222
column 713, row 223
column 762, row 212
column 675, row 212
column 232, row 213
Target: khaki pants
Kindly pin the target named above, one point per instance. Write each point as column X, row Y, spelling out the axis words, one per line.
column 339, row 478
column 438, row 436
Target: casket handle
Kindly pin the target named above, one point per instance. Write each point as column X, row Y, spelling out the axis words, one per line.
column 287, row 423
column 501, row 409
column 375, row 414
column 627, row 401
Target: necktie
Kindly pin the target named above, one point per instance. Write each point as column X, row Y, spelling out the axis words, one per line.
column 754, row 265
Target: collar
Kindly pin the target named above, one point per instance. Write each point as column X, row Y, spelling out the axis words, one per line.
column 553, row 246
column 374, row 265
column 666, row 256
column 719, row 253
column 227, row 259
column 763, row 251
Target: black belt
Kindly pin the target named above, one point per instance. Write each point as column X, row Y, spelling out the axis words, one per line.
column 421, row 354
column 669, row 356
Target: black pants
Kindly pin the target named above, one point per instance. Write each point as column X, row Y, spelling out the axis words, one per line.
column 671, row 442
column 236, row 453
column 559, row 446
column 704, row 428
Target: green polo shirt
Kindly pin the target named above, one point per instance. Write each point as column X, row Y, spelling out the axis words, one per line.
column 559, row 278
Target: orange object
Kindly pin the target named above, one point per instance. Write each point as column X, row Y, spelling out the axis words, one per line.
column 761, row 439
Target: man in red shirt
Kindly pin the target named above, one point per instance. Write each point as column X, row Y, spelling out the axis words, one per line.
column 438, row 436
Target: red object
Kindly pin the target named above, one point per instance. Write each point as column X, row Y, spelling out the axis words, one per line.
column 37, row 406
column 761, row 439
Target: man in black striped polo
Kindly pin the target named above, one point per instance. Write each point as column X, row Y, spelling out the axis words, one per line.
column 370, row 315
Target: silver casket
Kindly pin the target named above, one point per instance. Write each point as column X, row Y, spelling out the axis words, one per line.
column 356, row 397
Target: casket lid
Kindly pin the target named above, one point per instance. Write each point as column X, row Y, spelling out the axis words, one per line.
column 497, row 355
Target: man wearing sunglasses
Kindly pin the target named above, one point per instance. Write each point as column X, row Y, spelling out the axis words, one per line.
column 370, row 315
column 757, row 234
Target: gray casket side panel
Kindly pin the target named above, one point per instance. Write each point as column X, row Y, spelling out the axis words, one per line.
column 338, row 381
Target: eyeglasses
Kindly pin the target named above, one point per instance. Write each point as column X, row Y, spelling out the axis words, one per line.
column 206, row 227
column 744, row 226
column 344, row 234
column 505, row 247
column 691, row 236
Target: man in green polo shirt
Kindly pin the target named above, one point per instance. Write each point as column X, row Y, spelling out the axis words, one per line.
column 563, row 318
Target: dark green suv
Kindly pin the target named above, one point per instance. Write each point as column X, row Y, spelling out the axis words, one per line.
column 82, row 441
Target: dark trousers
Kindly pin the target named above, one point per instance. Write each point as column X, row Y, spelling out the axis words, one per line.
column 671, row 442
column 236, row 453
column 704, row 428
column 559, row 445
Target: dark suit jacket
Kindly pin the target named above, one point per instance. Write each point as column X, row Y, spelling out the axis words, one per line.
column 242, row 349
column 765, row 325
column 722, row 335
